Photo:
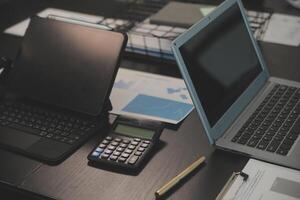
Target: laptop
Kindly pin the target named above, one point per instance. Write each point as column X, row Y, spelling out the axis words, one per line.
column 241, row 107
column 58, row 89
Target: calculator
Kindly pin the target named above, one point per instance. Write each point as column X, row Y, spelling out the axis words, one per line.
column 128, row 144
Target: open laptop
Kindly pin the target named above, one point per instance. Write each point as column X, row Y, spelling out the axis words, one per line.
column 241, row 107
column 59, row 87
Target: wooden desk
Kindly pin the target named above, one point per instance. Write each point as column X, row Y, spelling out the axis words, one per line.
column 23, row 178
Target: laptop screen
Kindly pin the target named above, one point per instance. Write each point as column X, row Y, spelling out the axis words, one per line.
column 222, row 62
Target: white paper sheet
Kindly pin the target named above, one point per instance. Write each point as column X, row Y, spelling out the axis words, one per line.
column 19, row 29
column 129, row 84
column 266, row 182
column 283, row 29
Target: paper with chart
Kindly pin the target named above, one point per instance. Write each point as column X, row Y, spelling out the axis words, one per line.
column 20, row 28
column 156, row 97
column 266, row 181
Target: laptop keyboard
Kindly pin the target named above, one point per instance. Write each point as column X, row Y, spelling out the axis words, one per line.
column 38, row 121
column 275, row 124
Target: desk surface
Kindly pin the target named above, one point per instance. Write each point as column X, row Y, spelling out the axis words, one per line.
column 74, row 179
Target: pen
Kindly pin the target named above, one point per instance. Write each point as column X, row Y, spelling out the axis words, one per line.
column 179, row 177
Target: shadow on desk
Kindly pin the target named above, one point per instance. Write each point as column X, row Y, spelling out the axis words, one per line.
column 8, row 192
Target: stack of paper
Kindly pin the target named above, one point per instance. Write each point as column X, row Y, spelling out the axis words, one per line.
column 156, row 97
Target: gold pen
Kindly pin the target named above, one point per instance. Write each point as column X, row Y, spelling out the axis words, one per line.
column 179, row 177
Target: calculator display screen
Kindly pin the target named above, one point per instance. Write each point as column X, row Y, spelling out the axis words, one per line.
column 134, row 131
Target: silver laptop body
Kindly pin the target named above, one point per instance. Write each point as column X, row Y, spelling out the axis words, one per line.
column 231, row 88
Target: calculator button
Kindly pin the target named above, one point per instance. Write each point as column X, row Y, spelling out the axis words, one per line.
column 116, row 153
column 115, row 143
column 109, row 138
column 113, row 157
column 99, row 150
column 95, row 154
column 107, row 151
column 121, row 159
column 138, row 153
column 137, row 139
column 128, row 151
column 102, row 146
column 120, row 149
column 134, row 143
column 141, row 149
column 133, row 160
column 105, row 142
column 125, row 155
column 111, row 147
column 118, row 139
column 146, row 142
column 144, row 145
column 131, row 147
column 104, row 156
column 126, row 141
column 123, row 145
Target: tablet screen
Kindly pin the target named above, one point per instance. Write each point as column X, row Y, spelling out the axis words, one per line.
column 67, row 65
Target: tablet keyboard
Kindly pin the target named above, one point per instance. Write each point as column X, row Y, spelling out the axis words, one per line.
column 275, row 124
column 38, row 121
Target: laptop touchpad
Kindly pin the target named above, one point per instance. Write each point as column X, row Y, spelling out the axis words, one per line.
column 15, row 138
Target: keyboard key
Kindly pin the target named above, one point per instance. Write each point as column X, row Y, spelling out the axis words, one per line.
column 113, row 157
column 133, row 160
column 141, row 149
column 43, row 133
column 118, row 139
column 235, row 139
column 111, row 147
column 24, row 128
column 282, row 151
column 292, row 136
column 105, row 142
column 138, row 153
column 107, row 151
column 273, row 146
column 262, row 145
column 288, row 142
column 131, row 147
column 125, row 141
column 128, row 151
column 105, row 156
column 253, row 142
column 134, row 143
column 123, row 145
column 120, row 149
column 50, row 135
column 144, row 145
column 125, row 155
column 100, row 150
column 70, row 141
column 242, row 141
column 117, row 153
column 278, row 137
column 115, row 143
column 96, row 154
column 122, row 159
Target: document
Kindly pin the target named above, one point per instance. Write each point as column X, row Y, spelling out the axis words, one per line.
column 283, row 29
column 266, row 181
column 150, row 96
column 19, row 29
